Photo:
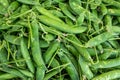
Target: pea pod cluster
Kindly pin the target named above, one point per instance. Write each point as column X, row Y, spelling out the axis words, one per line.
column 59, row 39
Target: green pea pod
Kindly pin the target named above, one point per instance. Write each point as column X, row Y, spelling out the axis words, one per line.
column 43, row 44
column 107, row 63
column 30, row 2
column 26, row 55
column 111, row 2
column 108, row 53
column 7, row 76
column 4, row 26
column 108, row 75
column 114, row 12
column 64, row 9
column 3, row 56
column 80, row 19
column 70, row 68
column 50, row 51
column 52, row 73
column 35, row 47
column 99, row 39
column 56, row 13
column 26, row 73
column 45, row 12
column 85, row 68
column 83, row 51
column 62, row 27
column 12, row 39
column 40, row 73
column 13, row 72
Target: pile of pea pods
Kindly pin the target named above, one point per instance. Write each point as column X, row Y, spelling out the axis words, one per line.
column 59, row 39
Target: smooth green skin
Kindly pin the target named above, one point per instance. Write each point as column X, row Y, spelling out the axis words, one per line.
column 107, row 63
column 40, row 73
column 50, row 51
column 26, row 55
column 83, row 51
column 30, row 2
column 108, row 53
column 55, row 63
column 99, row 39
column 43, row 44
column 70, row 68
column 114, row 12
column 26, row 73
column 35, row 46
column 7, row 76
column 112, row 2
column 65, row 10
column 57, row 13
column 61, row 26
column 3, row 55
column 13, row 72
column 36, row 51
column 52, row 73
column 85, row 68
column 80, row 19
column 108, row 75
column 45, row 12
column 12, row 39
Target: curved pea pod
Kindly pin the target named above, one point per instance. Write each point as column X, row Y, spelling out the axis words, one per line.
column 12, row 39
column 50, row 51
column 70, row 68
column 45, row 12
column 52, row 73
column 57, row 13
column 61, row 26
column 26, row 73
column 113, row 3
column 95, row 4
column 107, row 63
column 114, row 12
column 85, row 68
column 82, row 50
column 43, row 44
column 99, row 39
column 108, row 53
column 80, row 19
column 30, row 2
column 114, row 74
column 114, row 43
column 7, row 76
column 26, row 55
column 55, row 63
column 64, row 9
column 13, row 72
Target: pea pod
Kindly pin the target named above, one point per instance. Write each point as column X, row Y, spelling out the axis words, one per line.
column 50, row 51
column 62, row 27
column 85, row 68
column 70, row 68
column 30, row 2
column 108, row 75
column 107, row 63
column 26, row 55
column 63, row 7
column 7, row 76
column 99, row 39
